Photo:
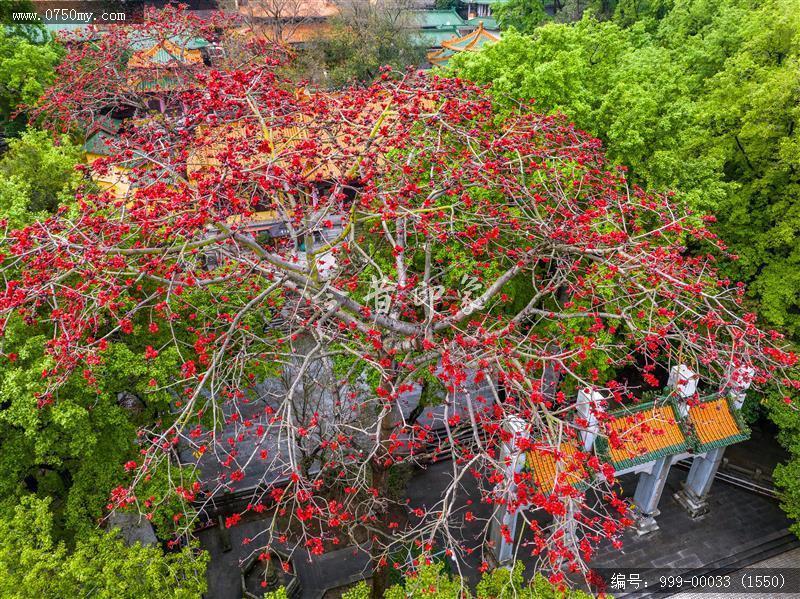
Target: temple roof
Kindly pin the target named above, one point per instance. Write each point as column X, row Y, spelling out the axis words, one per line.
column 489, row 23
column 100, row 134
column 639, row 434
column 287, row 134
column 716, row 423
column 552, row 466
column 166, row 51
column 471, row 42
column 433, row 38
column 153, row 61
column 437, row 19
column 143, row 41
column 643, row 433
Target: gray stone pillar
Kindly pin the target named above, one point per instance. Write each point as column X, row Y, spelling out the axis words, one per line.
column 648, row 494
column 693, row 497
column 571, row 524
column 501, row 550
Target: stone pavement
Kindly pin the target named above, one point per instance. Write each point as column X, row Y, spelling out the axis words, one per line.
column 737, row 519
column 332, row 569
column 789, row 559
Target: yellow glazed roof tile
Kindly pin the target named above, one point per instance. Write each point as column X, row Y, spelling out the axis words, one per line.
column 645, row 432
column 713, row 421
column 562, row 465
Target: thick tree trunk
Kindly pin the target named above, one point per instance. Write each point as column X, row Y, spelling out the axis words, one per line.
column 380, row 569
column 380, row 482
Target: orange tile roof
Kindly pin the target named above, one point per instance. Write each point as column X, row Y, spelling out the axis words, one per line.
column 470, row 42
column 286, row 137
column 145, row 58
column 714, row 422
column 647, row 434
column 551, row 466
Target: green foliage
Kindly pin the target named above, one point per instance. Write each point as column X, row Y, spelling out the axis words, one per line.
column 360, row 591
column 355, row 50
column 34, row 564
column 787, row 476
column 510, row 584
column 431, row 582
column 628, row 12
column 73, row 449
column 14, row 202
column 522, row 15
column 26, row 68
column 39, row 175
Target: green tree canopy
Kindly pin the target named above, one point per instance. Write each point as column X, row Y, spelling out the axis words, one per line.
column 35, row 564
column 42, row 171
column 26, row 68
column 73, row 449
column 357, row 44
column 522, row 15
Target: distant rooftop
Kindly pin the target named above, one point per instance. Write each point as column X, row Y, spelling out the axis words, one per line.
column 437, row 19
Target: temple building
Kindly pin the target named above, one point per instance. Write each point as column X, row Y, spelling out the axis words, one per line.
column 470, row 42
column 645, row 439
column 100, row 137
column 437, row 26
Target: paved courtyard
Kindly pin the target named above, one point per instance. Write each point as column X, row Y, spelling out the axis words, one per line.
column 739, row 522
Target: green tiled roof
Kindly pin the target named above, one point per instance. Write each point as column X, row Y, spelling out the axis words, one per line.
column 102, row 132
column 446, row 54
column 433, row 38
column 96, row 143
column 164, row 82
column 142, row 41
column 489, row 23
column 437, row 19
column 463, row 44
column 163, row 57
column 195, row 43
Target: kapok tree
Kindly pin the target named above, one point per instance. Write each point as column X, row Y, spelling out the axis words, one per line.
column 404, row 243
